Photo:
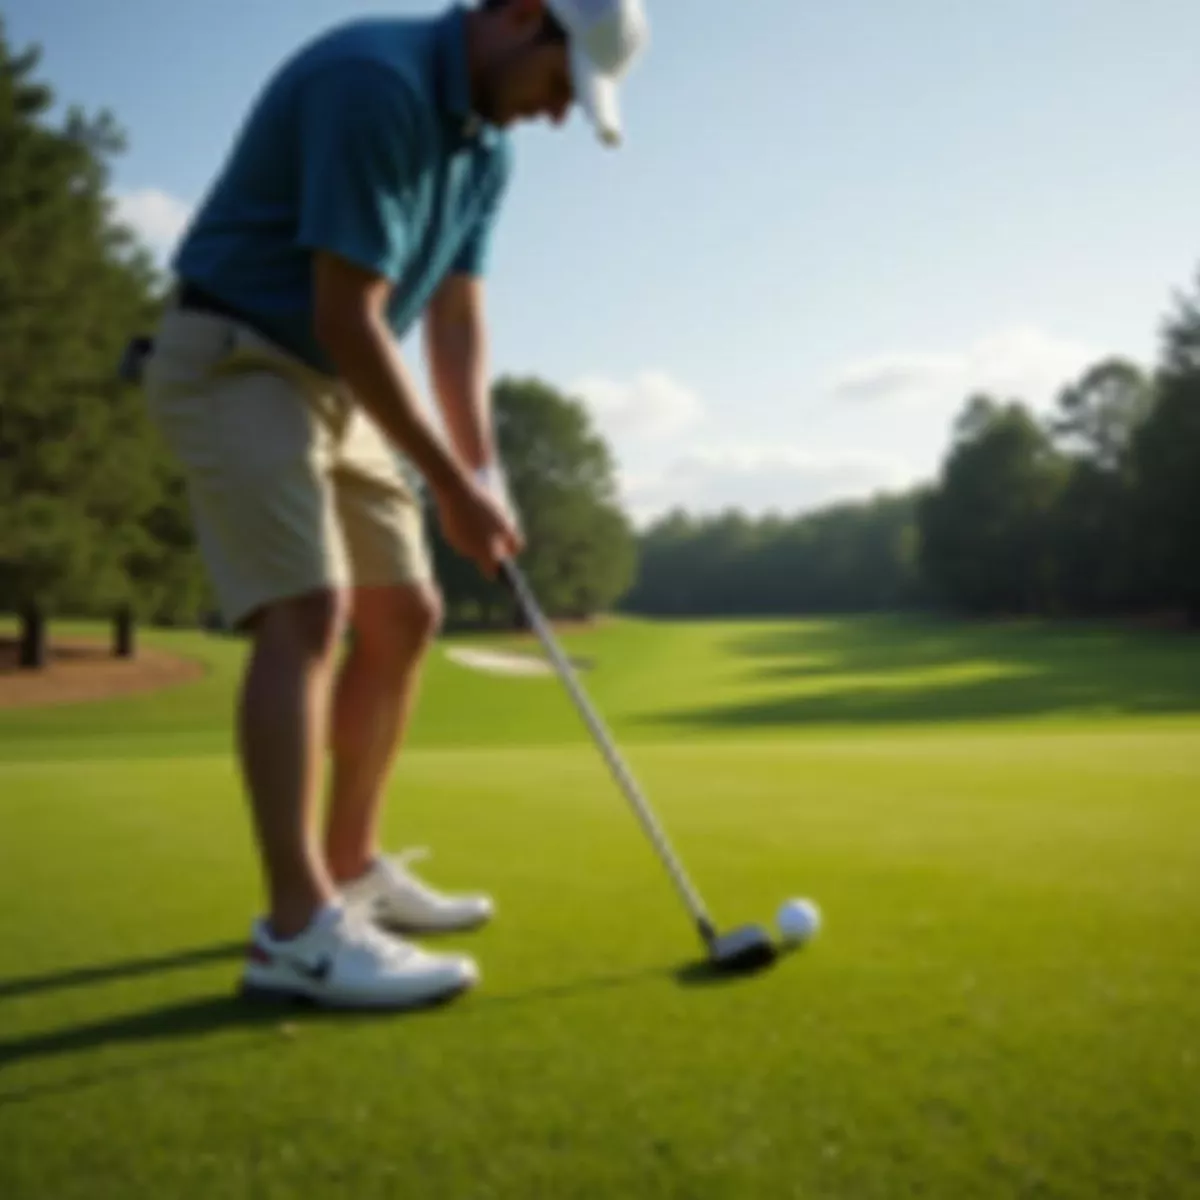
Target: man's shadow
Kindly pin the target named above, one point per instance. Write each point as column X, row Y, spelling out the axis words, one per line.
column 196, row 1017
column 130, row 969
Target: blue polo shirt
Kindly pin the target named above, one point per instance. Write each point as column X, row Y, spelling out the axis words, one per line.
column 363, row 145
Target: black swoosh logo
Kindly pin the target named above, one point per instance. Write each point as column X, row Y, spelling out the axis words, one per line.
column 318, row 972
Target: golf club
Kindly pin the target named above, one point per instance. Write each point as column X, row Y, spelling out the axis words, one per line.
column 747, row 948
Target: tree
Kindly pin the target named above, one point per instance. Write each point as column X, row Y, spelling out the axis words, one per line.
column 1095, row 422
column 665, row 582
column 1166, row 454
column 580, row 553
column 1092, row 532
column 1098, row 415
column 82, row 473
column 985, row 529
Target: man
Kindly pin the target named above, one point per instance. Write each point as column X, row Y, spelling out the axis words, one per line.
column 359, row 195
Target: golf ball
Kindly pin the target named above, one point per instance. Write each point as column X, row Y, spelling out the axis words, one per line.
column 798, row 921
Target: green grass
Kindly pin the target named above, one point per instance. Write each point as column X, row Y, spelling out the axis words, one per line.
column 1002, row 825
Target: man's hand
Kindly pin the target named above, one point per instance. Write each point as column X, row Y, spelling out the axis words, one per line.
column 493, row 481
column 476, row 525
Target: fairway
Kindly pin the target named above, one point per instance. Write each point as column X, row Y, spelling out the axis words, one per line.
column 1001, row 824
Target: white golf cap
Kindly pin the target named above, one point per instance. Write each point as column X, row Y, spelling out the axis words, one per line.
column 605, row 37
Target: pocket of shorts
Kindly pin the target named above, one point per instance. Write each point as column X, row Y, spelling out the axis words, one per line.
column 188, row 348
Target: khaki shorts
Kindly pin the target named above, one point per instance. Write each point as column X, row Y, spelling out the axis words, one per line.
column 292, row 487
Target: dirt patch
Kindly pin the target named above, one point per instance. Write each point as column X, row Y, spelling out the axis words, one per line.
column 80, row 670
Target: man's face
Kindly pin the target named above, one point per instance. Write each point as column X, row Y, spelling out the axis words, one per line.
column 529, row 81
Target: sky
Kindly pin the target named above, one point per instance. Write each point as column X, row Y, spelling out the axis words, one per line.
column 830, row 222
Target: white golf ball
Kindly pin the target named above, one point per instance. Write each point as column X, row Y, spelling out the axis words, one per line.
column 798, row 921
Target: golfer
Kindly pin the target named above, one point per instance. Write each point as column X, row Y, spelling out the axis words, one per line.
column 360, row 195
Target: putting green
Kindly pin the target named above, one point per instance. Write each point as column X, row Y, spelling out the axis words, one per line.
column 1001, row 824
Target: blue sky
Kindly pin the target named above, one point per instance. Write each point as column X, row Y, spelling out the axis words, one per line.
column 830, row 222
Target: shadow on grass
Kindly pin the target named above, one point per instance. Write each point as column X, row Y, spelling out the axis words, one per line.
column 706, row 974
column 202, row 1016
column 869, row 669
column 131, row 969
column 190, row 1019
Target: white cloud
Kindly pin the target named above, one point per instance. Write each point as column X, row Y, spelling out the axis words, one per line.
column 652, row 405
column 759, row 479
column 157, row 217
column 1023, row 362
column 893, row 376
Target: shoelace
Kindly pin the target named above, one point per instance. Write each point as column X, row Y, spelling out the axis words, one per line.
column 361, row 932
column 400, row 864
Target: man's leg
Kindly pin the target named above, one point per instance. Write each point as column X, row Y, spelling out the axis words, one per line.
column 397, row 611
column 310, row 946
column 373, row 701
column 255, row 432
column 283, row 719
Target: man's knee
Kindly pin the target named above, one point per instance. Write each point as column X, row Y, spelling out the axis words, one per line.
column 310, row 626
column 398, row 620
column 428, row 611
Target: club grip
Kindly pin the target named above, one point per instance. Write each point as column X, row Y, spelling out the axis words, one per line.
column 508, row 577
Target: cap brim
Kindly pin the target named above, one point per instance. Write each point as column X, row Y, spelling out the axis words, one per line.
column 598, row 96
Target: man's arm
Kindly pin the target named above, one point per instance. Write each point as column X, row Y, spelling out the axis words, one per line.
column 350, row 323
column 456, row 346
column 359, row 134
column 349, row 318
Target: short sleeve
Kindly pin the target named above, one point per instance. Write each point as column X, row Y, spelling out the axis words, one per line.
column 475, row 251
column 359, row 158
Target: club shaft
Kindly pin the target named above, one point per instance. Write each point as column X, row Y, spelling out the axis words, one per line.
column 621, row 772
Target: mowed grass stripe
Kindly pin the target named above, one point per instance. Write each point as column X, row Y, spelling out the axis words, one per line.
column 656, row 681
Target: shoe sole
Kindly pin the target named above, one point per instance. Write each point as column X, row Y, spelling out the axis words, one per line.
column 426, row 931
column 262, row 994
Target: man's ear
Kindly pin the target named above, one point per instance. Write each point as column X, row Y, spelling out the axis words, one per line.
column 525, row 15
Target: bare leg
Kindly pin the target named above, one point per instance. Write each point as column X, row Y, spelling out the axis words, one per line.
column 373, row 701
column 282, row 723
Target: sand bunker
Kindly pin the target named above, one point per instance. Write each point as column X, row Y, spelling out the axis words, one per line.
column 507, row 662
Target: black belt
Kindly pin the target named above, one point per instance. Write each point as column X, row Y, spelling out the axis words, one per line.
column 195, row 299
column 189, row 298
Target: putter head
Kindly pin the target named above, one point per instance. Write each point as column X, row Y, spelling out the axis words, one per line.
column 747, row 948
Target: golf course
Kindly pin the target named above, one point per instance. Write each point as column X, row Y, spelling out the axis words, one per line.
column 1000, row 823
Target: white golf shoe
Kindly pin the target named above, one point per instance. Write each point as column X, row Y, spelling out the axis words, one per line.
column 391, row 896
column 341, row 961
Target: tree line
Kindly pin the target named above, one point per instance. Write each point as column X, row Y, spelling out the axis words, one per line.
column 1093, row 510
column 853, row 557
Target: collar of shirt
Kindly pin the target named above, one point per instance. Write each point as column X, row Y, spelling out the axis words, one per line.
column 454, row 80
